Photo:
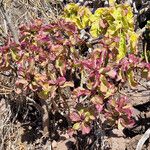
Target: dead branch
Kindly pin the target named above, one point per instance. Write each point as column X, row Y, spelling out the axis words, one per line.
column 143, row 139
column 9, row 23
column 45, row 115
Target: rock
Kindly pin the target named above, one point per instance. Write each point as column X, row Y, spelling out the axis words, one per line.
column 117, row 143
column 54, row 144
column 118, row 133
column 148, row 84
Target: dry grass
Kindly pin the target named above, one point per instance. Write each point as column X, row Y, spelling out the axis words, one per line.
column 16, row 12
column 12, row 14
column 11, row 133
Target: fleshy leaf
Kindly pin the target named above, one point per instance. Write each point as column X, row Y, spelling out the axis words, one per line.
column 74, row 116
column 122, row 48
column 97, row 100
column 76, row 126
column 67, row 84
column 81, row 91
column 43, row 95
column 85, row 129
column 112, row 74
column 120, row 126
column 130, row 75
column 112, row 2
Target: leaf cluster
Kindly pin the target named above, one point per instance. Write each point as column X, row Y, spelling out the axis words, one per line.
column 49, row 59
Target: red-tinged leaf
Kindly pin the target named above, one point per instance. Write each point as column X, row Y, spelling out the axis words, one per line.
column 99, row 107
column 38, row 22
column 133, row 59
column 117, row 39
column 52, row 82
column 103, row 87
column 113, row 102
column 128, row 111
column 104, row 70
column 130, row 124
column 57, row 49
column 127, row 122
column 53, row 91
column 122, row 102
column 21, row 82
column 67, row 84
column 60, row 81
column 104, row 84
column 85, row 128
column 61, row 65
column 31, row 62
column 75, row 117
column 81, row 92
column 121, row 76
column 88, row 64
column 110, row 92
column 18, row 90
column 97, row 99
column 70, row 132
column 69, row 26
column 112, row 74
column 33, row 86
column 103, row 23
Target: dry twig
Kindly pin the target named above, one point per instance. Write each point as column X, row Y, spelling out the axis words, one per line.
column 143, row 139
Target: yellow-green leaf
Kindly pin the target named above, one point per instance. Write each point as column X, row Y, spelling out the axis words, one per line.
column 76, row 126
column 112, row 2
column 130, row 75
column 122, row 48
column 43, row 95
column 14, row 55
column 133, row 41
